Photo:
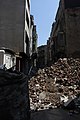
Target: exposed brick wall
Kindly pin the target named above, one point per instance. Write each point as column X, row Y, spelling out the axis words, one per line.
column 72, row 18
column 66, row 31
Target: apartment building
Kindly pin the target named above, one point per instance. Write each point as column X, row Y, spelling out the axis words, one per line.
column 65, row 32
column 15, row 30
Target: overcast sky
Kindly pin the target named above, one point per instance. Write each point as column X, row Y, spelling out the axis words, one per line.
column 44, row 12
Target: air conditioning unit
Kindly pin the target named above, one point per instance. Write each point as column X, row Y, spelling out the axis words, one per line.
column 7, row 58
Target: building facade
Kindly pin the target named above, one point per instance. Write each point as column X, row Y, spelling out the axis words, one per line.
column 33, row 44
column 65, row 32
column 49, row 56
column 15, row 30
column 42, row 56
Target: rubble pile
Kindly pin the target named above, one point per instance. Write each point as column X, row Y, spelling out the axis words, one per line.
column 55, row 85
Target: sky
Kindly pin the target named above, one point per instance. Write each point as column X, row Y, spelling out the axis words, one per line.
column 44, row 12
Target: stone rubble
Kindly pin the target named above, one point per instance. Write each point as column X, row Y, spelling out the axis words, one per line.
column 54, row 85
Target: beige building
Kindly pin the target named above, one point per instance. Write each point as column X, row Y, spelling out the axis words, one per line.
column 65, row 33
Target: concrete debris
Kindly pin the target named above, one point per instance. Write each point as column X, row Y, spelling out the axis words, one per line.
column 42, row 95
column 55, row 85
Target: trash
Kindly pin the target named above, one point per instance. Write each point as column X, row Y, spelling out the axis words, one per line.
column 70, row 104
column 64, row 98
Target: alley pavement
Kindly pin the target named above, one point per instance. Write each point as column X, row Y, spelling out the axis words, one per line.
column 55, row 114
